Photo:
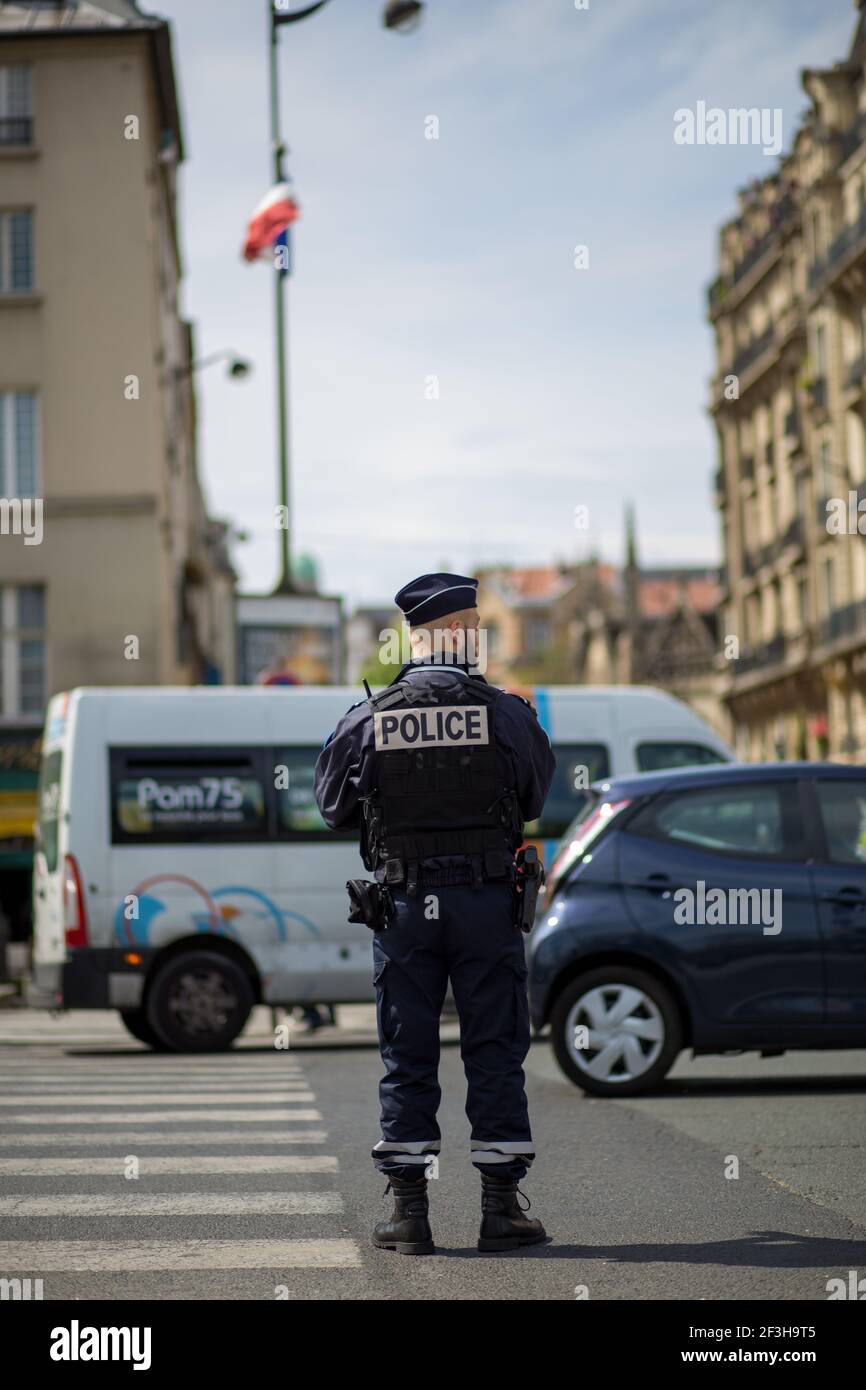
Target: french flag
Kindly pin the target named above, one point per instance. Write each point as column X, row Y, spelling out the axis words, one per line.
column 277, row 210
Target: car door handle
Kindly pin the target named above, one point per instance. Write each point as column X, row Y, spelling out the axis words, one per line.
column 850, row 897
column 653, row 883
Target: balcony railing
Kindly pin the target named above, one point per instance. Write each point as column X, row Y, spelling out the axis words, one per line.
column 753, row 350
column 720, row 287
column 852, row 137
column 793, row 533
column 854, row 374
column 782, row 214
column 849, row 238
column 792, row 425
column 767, row 654
column 16, row 130
column 821, row 513
column 844, row 622
column 818, row 392
column 767, row 553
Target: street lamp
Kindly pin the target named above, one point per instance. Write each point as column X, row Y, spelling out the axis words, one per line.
column 399, row 15
column 238, row 367
column 403, row 15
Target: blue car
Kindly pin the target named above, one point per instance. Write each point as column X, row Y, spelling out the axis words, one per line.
column 713, row 908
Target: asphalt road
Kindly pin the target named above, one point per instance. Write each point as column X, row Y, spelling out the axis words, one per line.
column 254, row 1179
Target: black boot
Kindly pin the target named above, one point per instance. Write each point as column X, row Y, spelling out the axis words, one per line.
column 503, row 1223
column 408, row 1230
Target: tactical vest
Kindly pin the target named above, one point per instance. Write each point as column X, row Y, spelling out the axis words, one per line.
column 439, row 789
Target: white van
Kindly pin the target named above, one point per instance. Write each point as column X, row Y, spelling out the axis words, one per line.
column 183, row 873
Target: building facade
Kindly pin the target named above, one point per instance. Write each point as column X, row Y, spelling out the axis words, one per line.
column 788, row 404
column 595, row 624
column 126, row 579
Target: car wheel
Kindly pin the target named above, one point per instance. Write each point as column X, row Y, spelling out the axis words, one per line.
column 199, row 1002
column 616, row 1031
column 135, row 1022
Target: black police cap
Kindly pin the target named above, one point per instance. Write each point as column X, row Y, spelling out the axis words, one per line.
column 432, row 596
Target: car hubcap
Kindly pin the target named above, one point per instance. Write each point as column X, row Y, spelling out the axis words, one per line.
column 201, row 1002
column 615, row 1033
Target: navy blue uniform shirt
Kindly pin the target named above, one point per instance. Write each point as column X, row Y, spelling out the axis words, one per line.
column 345, row 766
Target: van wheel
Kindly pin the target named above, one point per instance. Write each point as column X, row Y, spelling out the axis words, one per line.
column 135, row 1022
column 616, row 1031
column 199, row 1002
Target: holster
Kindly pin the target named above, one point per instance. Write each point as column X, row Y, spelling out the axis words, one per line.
column 528, row 884
column 370, row 903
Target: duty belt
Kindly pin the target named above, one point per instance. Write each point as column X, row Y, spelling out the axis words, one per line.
column 488, row 854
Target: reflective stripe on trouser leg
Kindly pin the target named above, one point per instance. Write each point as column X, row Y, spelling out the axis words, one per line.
column 503, row 1159
column 502, row 1152
column 415, row 1159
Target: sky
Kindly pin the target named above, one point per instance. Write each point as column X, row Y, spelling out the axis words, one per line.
column 558, row 388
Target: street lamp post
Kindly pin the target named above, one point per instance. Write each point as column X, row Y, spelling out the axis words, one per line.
column 398, row 15
column 237, row 368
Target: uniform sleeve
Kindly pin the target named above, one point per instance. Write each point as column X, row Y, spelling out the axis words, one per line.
column 344, row 770
column 531, row 755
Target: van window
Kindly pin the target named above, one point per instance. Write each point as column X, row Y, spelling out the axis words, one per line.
column 170, row 795
column 653, row 757
column 578, row 765
column 296, row 805
column 49, row 807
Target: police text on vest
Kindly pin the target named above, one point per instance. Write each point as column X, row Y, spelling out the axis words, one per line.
column 443, row 726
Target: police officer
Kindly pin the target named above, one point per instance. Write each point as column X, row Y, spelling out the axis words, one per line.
column 439, row 771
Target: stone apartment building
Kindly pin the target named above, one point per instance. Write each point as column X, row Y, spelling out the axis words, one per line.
column 789, row 409
column 97, row 405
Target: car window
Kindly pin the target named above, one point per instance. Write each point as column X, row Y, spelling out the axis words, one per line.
column 843, row 815
column 653, row 757
column 745, row 819
column 577, row 766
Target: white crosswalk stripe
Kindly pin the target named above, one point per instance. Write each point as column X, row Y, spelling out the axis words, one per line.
column 45, row 1089
column 197, row 1097
column 76, row 1120
column 89, row 1256
column 250, row 1116
column 87, row 1083
column 193, row 1163
column 225, row 1074
column 176, row 1204
column 177, row 1138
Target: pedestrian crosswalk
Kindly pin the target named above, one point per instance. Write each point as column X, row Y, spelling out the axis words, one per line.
column 87, row 1256
column 130, row 1166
